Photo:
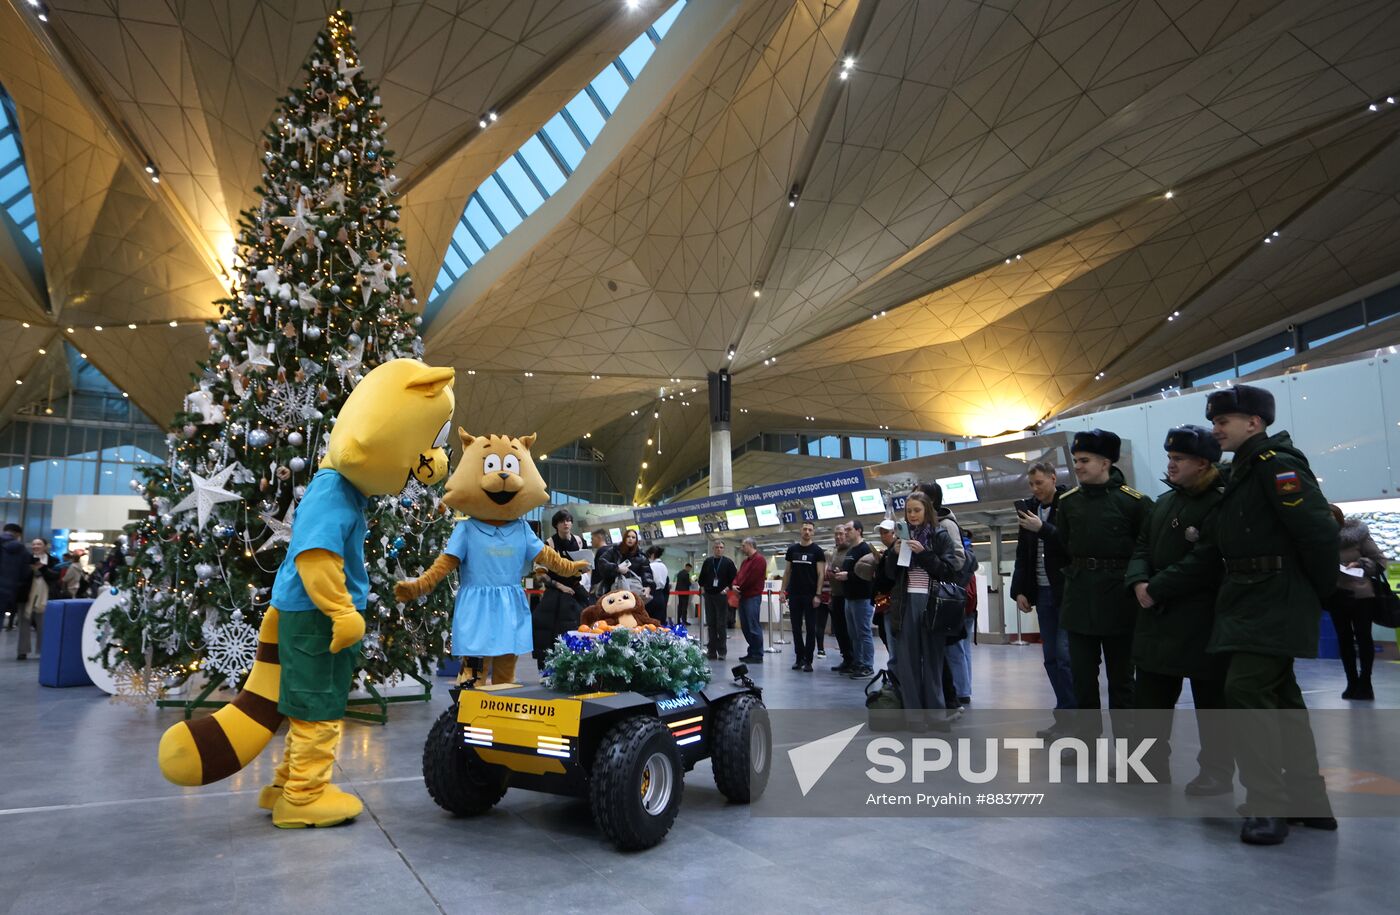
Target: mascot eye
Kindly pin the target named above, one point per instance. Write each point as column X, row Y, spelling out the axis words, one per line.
column 441, row 440
column 493, row 463
column 512, row 463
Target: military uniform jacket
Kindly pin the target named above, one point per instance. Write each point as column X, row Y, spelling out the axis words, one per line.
column 1171, row 636
column 1098, row 526
column 1271, row 513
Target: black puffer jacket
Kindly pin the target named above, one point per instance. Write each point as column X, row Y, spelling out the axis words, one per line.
column 15, row 573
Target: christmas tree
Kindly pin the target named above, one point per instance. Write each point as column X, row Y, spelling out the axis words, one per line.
column 321, row 296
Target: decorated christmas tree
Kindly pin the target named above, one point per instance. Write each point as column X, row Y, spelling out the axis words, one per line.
column 321, row 296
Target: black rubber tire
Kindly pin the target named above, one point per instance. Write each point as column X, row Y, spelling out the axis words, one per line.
column 741, row 766
column 458, row 781
column 616, row 784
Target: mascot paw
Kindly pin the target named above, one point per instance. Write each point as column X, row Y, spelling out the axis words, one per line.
column 346, row 630
column 581, row 567
column 269, row 796
column 332, row 808
column 406, row 591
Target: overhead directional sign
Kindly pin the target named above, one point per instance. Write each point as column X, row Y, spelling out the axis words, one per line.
column 793, row 490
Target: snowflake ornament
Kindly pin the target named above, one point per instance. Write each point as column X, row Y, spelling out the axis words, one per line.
column 138, row 687
column 231, row 647
column 289, row 404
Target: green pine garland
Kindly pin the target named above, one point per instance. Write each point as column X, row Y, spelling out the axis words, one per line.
column 637, row 660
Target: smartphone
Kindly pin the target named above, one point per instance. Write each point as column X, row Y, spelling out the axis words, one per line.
column 901, row 529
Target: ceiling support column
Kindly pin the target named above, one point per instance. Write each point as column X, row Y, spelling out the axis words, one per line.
column 721, row 456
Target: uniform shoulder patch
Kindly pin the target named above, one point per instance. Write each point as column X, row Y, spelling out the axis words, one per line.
column 1266, row 455
column 1130, row 491
column 1287, row 483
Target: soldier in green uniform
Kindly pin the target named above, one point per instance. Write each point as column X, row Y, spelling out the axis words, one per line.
column 1098, row 523
column 1279, row 544
column 1176, row 613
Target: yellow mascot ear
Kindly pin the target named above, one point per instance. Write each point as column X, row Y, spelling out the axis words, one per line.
column 349, row 454
column 431, row 380
column 528, row 441
column 466, row 437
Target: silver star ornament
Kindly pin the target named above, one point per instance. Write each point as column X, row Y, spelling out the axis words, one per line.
column 208, row 492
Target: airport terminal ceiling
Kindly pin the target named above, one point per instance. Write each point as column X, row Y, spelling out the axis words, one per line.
column 948, row 217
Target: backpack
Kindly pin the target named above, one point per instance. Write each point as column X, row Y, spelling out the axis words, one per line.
column 886, row 708
column 964, row 575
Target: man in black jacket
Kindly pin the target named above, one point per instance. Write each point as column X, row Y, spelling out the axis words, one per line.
column 717, row 573
column 1038, row 582
column 683, row 600
column 15, row 573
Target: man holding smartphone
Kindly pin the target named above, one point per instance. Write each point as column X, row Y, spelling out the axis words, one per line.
column 804, row 566
column 1038, row 582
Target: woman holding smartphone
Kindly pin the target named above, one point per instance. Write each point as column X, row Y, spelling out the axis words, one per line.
column 935, row 553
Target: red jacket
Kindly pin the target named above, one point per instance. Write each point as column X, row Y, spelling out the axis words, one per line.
column 752, row 574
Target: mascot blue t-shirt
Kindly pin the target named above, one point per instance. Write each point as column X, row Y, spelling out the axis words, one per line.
column 331, row 517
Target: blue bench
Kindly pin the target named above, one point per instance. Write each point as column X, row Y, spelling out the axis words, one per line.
column 61, row 655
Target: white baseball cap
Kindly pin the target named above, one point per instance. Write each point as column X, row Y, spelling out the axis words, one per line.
column 886, row 525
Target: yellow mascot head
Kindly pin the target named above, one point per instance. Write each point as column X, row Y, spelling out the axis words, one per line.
column 394, row 427
column 497, row 479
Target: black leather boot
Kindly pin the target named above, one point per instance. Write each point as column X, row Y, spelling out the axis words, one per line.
column 1264, row 831
column 1208, row 785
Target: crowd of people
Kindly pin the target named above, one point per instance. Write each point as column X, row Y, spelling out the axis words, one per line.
column 1219, row 582
column 31, row 575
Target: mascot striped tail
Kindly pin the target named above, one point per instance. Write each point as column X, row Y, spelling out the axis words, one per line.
column 205, row 750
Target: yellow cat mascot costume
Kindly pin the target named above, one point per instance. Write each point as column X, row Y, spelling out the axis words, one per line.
column 394, row 426
column 495, row 484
